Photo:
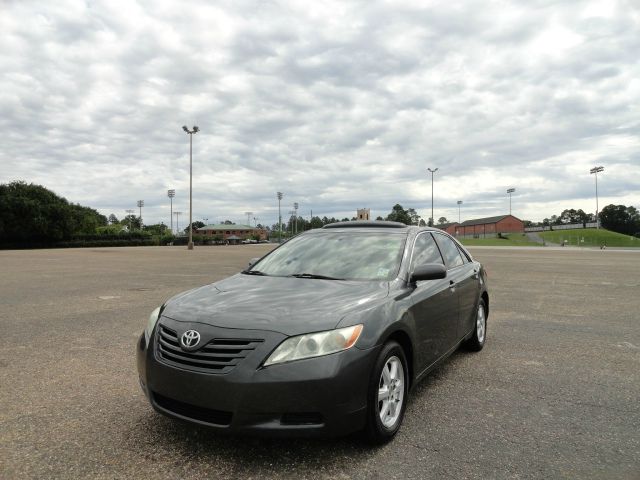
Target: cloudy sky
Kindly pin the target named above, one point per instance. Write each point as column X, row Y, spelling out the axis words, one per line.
column 338, row 105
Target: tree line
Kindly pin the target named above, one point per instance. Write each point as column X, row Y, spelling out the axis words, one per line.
column 617, row 218
column 33, row 215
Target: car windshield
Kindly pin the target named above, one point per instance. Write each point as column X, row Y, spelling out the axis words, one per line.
column 337, row 255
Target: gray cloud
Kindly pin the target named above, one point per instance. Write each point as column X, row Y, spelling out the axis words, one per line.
column 339, row 105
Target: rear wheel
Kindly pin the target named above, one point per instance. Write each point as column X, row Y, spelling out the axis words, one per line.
column 388, row 390
column 476, row 342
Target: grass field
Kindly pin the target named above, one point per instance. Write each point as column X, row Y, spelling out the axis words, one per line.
column 591, row 238
column 513, row 240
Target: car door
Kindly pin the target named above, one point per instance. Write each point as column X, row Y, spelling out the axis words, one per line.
column 434, row 306
column 463, row 278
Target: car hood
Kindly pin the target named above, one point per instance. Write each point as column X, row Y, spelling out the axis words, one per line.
column 291, row 306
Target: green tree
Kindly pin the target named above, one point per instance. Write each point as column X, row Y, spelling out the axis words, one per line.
column 442, row 220
column 621, row 219
column 316, row 222
column 132, row 222
column 196, row 225
column 32, row 214
column 155, row 229
column 113, row 219
column 573, row 216
column 413, row 215
column 399, row 214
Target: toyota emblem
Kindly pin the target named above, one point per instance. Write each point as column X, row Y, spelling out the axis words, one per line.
column 190, row 339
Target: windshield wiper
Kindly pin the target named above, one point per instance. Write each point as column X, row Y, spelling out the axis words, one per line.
column 253, row 272
column 313, row 275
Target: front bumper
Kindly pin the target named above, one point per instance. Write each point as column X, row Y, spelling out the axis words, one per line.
column 322, row 396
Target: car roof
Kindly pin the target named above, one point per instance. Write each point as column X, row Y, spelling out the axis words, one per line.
column 381, row 224
column 366, row 224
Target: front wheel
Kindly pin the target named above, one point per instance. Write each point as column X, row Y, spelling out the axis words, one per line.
column 388, row 390
column 476, row 342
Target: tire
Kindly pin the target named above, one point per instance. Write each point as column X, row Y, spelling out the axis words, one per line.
column 384, row 416
column 479, row 337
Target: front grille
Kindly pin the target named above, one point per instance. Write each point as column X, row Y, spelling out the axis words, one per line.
column 216, row 417
column 220, row 355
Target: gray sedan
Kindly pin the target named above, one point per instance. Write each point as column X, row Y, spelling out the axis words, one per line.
column 325, row 335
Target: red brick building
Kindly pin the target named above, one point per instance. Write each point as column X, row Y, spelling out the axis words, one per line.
column 489, row 226
column 450, row 228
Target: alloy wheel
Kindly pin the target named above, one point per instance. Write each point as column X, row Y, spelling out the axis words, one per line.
column 391, row 392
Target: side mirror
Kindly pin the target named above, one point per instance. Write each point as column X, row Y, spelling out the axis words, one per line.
column 428, row 271
column 252, row 262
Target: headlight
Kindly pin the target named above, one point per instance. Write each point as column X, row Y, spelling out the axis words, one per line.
column 153, row 319
column 315, row 344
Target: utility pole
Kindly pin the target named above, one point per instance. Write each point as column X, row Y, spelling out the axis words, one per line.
column 295, row 207
column 459, row 203
column 432, row 222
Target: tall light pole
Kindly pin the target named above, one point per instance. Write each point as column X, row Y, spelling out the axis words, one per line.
column 190, row 133
column 597, row 170
column 291, row 213
column 248, row 214
column 140, row 205
column 279, row 218
column 295, row 207
column 432, row 219
column 171, row 193
column 177, row 214
column 459, row 203
column 130, row 212
column 510, row 191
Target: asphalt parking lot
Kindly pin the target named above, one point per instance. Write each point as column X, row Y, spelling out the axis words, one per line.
column 554, row 394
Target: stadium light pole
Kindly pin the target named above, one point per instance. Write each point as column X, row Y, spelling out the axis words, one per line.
column 130, row 212
column 596, row 170
column 248, row 214
column 291, row 214
column 432, row 172
column 459, row 203
column 140, row 205
column 177, row 214
column 171, row 193
column 279, row 218
column 510, row 191
column 295, row 207
column 190, row 133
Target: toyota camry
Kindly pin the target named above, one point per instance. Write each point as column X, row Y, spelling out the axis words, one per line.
column 324, row 335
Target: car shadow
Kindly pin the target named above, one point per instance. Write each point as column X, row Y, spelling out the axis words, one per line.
column 157, row 437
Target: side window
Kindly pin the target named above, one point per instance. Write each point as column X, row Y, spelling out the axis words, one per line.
column 450, row 251
column 425, row 250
